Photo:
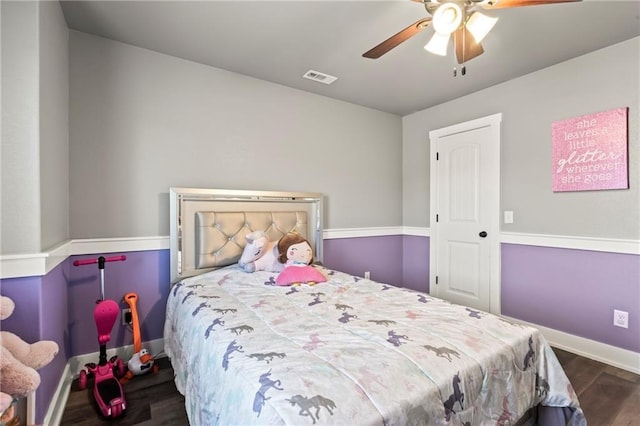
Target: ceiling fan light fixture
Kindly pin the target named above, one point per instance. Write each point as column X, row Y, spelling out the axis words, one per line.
column 447, row 18
column 479, row 25
column 438, row 44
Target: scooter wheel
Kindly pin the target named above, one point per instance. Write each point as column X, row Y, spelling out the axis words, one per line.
column 82, row 380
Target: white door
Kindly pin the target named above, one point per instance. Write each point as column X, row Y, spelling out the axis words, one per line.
column 465, row 200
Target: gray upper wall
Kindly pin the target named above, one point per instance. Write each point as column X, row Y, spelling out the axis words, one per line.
column 34, row 161
column 142, row 122
column 54, row 125
column 19, row 181
column 599, row 81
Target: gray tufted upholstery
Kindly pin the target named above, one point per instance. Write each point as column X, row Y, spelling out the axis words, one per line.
column 220, row 236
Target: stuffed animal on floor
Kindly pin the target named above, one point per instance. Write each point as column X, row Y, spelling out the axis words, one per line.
column 7, row 412
column 260, row 254
column 19, row 360
column 296, row 254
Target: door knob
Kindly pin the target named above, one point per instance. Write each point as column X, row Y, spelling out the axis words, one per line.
column 483, row 234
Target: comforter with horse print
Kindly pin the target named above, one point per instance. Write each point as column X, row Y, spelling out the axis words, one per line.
column 351, row 351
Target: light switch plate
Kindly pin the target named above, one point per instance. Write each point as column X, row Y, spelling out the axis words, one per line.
column 508, row 216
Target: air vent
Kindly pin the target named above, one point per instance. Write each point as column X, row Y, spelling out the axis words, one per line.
column 319, row 77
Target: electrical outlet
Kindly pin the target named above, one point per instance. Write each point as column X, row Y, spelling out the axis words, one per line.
column 126, row 316
column 620, row 318
column 367, row 275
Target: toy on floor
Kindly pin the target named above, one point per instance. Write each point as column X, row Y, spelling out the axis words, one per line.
column 19, row 361
column 141, row 362
column 8, row 416
column 107, row 390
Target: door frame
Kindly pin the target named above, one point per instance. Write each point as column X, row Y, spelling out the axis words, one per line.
column 493, row 122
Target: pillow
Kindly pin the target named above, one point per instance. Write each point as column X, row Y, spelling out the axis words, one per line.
column 296, row 274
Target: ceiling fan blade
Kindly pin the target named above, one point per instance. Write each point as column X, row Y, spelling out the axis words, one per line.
column 395, row 40
column 466, row 46
column 504, row 4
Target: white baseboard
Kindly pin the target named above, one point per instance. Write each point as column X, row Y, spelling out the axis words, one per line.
column 76, row 364
column 54, row 414
column 602, row 352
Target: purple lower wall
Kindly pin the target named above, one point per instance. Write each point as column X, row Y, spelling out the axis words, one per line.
column 574, row 291
column 399, row 260
column 40, row 314
column 54, row 326
column 382, row 256
column 145, row 273
column 26, row 294
column 415, row 263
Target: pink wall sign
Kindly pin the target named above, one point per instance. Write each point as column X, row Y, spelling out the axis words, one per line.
column 590, row 152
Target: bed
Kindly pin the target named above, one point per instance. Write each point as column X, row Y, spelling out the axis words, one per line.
column 347, row 351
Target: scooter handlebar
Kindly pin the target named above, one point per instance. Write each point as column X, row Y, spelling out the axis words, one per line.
column 97, row 259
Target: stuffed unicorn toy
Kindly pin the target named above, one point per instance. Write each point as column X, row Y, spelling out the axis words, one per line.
column 260, row 254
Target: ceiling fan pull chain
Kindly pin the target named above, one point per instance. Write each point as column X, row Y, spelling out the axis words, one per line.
column 463, row 70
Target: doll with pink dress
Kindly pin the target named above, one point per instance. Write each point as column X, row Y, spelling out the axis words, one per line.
column 296, row 254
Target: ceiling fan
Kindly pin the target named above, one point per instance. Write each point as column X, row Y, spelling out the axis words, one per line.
column 461, row 19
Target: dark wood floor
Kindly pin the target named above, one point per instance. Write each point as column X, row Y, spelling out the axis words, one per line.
column 608, row 396
column 152, row 400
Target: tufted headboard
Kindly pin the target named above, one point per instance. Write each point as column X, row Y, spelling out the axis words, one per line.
column 208, row 226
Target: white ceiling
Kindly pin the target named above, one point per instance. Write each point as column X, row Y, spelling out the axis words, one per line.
column 278, row 41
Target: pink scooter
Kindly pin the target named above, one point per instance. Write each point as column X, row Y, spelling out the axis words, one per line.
column 107, row 390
